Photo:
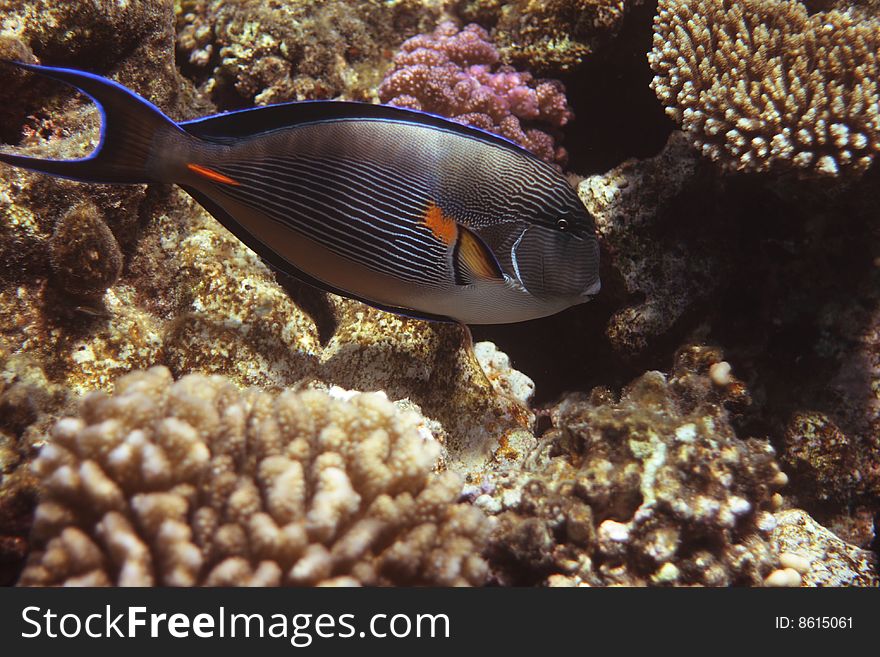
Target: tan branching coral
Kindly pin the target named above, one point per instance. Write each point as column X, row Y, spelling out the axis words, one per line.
column 763, row 85
column 198, row 482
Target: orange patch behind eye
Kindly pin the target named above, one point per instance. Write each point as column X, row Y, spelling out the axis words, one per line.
column 443, row 227
column 210, row 174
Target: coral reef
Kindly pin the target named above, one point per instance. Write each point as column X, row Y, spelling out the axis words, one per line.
column 764, row 85
column 434, row 366
column 28, row 405
column 548, row 37
column 653, row 488
column 197, row 482
column 83, row 252
column 783, row 274
column 256, row 52
column 127, row 39
column 504, row 378
column 453, row 73
column 13, row 84
column 648, row 486
column 192, row 297
column 663, row 275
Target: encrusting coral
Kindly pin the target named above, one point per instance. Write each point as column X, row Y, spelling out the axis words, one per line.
column 83, row 252
column 653, row 488
column 454, row 73
column 254, row 51
column 663, row 275
column 198, row 482
column 763, row 85
column 548, row 36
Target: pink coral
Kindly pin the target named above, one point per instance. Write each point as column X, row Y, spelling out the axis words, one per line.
column 455, row 73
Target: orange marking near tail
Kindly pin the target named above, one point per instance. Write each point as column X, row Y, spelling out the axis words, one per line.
column 210, row 174
column 443, row 227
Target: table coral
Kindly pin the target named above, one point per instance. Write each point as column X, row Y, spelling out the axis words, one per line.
column 198, row 482
column 653, row 488
column 453, row 73
column 764, row 85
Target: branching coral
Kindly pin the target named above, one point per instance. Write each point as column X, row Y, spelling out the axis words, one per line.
column 763, row 85
column 197, row 482
column 454, row 73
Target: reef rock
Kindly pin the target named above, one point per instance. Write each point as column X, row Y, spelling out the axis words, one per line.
column 256, row 52
column 765, row 85
column 663, row 276
column 821, row 558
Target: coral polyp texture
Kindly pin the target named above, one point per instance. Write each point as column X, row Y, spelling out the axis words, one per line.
column 653, row 488
column 83, row 252
column 455, row 73
column 764, row 85
column 255, row 459
column 198, row 482
column 548, row 36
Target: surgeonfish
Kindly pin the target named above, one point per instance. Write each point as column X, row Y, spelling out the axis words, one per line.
column 403, row 210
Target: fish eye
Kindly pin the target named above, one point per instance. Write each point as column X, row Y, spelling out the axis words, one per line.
column 562, row 224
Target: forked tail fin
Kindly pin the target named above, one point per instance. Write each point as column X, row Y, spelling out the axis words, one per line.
column 135, row 135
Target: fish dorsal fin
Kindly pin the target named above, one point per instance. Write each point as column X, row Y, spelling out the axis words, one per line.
column 472, row 260
column 230, row 126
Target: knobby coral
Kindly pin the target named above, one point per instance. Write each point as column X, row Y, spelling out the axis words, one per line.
column 84, row 254
column 198, row 482
column 454, row 73
column 763, row 85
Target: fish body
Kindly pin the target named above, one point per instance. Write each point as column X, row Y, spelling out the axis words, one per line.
column 403, row 210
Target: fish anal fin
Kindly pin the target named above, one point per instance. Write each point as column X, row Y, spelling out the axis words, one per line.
column 473, row 261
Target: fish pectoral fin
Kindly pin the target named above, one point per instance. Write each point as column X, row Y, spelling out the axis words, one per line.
column 472, row 260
